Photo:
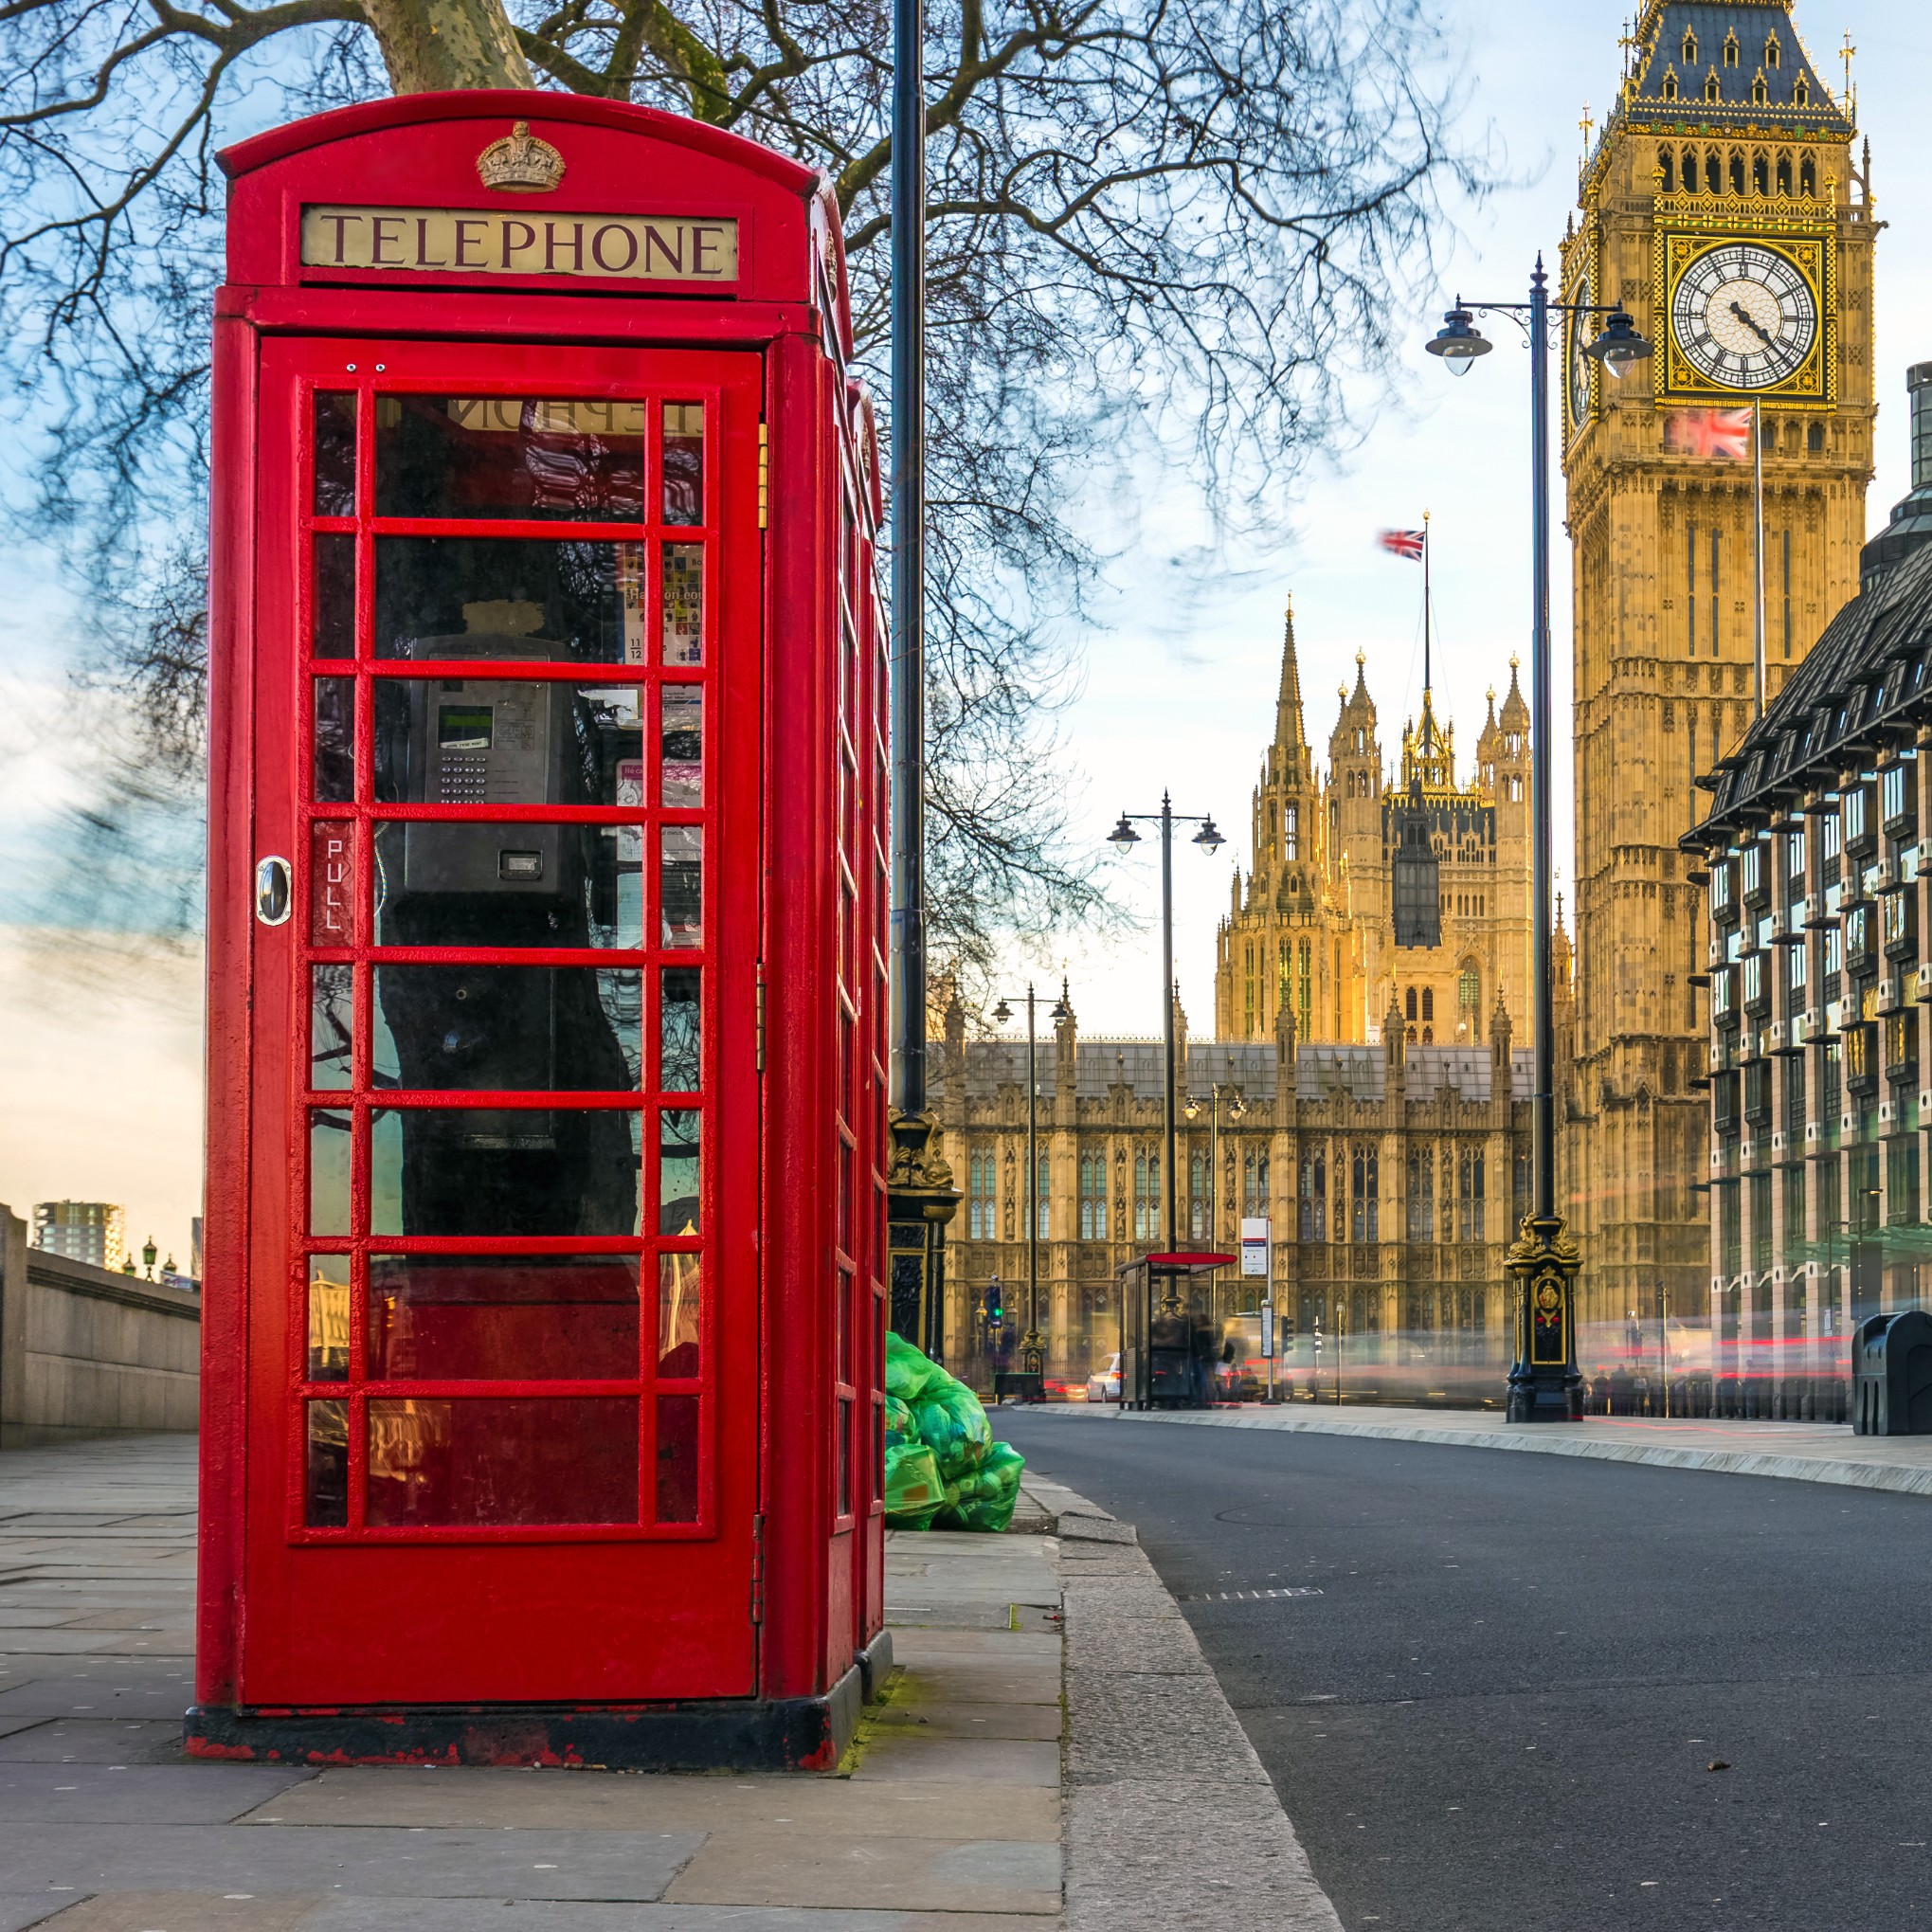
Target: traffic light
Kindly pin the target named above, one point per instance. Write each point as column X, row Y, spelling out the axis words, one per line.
column 994, row 1301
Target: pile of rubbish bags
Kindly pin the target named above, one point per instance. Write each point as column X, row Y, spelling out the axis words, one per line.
column 943, row 1468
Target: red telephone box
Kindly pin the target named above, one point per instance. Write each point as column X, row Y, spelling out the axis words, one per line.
column 544, row 1328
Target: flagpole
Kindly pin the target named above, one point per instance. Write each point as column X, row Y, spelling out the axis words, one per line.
column 1428, row 681
column 1757, row 540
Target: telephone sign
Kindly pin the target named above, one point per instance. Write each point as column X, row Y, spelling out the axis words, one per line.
column 544, row 1325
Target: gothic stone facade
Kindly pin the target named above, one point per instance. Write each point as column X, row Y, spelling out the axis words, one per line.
column 1392, row 1177
column 1309, row 931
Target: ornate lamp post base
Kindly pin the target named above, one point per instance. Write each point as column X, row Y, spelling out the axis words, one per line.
column 920, row 1199
column 1545, row 1384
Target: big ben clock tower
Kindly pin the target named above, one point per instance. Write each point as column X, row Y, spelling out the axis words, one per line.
column 1721, row 205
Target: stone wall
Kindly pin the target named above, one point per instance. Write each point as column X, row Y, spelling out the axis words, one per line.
column 87, row 1352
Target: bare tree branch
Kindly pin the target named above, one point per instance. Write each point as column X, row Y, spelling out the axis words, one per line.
column 1162, row 235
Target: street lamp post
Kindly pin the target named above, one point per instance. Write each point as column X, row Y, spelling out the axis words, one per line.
column 1033, row 1350
column 1125, row 837
column 1545, row 1384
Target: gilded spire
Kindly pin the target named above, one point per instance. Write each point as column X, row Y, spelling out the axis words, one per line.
column 1288, row 714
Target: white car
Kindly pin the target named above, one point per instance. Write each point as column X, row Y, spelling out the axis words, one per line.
column 1103, row 1385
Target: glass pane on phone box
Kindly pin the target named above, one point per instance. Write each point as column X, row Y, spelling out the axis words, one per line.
column 682, row 629
column 328, row 1139
column 680, row 1314
column 331, row 1027
column 679, row 1061
column 334, row 597
column 328, row 1318
column 503, row 1317
column 579, row 459
column 334, row 421
column 680, row 885
column 677, row 1458
column 683, row 462
column 511, row 885
column 501, row 1460
column 508, row 1029
column 680, row 745
column 679, row 1171
column 497, row 741
column 334, row 759
column 326, row 1477
column 536, row 598
column 503, row 1172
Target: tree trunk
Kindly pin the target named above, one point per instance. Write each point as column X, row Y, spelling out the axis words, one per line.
column 431, row 45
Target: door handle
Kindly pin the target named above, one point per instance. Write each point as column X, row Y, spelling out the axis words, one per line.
column 274, row 891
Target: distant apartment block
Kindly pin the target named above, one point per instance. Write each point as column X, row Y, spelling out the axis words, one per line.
column 92, row 1231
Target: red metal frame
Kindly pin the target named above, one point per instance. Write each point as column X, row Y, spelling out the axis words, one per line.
column 769, row 1596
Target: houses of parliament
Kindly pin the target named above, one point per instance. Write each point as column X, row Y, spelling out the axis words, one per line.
column 1369, row 1098
column 1370, row 1101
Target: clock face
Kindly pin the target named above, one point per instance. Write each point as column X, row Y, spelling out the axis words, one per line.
column 1743, row 316
column 1579, row 362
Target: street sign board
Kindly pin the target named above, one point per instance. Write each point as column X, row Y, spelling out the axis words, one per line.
column 1268, row 1331
column 1255, row 1246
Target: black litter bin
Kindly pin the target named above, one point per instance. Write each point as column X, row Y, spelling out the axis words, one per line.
column 1892, row 1374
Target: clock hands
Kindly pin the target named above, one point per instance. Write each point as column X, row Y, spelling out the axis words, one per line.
column 1751, row 322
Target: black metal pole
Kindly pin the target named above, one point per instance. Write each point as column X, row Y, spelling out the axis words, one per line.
column 908, row 551
column 1170, row 1231
column 1544, row 1021
column 1032, row 1183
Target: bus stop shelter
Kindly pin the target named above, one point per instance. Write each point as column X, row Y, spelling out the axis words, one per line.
column 1168, row 1349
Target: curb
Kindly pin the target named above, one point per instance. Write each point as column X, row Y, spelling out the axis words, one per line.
column 1170, row 1821
column 1896, row 1480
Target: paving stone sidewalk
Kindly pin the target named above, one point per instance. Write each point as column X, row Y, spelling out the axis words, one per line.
column 947, row 1813
column 1795, row 1451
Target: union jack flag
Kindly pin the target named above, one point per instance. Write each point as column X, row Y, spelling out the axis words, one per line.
column 1403, row 543
column 1725, row 434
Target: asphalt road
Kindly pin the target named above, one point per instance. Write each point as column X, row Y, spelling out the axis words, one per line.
column 1501, row 1707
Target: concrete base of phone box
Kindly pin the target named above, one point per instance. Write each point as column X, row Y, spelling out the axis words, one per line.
column 724, row 1734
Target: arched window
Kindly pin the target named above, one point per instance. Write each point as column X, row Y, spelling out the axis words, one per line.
column 1759, row 92
column 1428, row 1002
column 1290, row 843
column 1197, row 1195
column 1312, row 1220
column 1666, row 165
column 1784, row 174
column 1807, row 177
column 1042, row 1196
column 1469, row 990
column 1421, row 1195
column 1772, row 50
column 1736, row 174
column 1815, row 439
column 1409, row 1004
column 1731, row 49
column 1670, row 83
column 1428, row 1035
column 1690, row 172
column 1712, row 88
column 1800, row 92
column 1690, row 48
column 1760, row 164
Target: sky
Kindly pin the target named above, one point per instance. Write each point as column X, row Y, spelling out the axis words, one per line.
column 100, row 1074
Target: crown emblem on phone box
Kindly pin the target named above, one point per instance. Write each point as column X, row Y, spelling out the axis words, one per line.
column 521, row 161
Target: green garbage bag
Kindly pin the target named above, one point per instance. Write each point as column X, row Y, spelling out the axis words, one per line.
column 986, row 1498
column 953, row 1425
column 915, row 1491
column 908, row 1370
column 901, row 1430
